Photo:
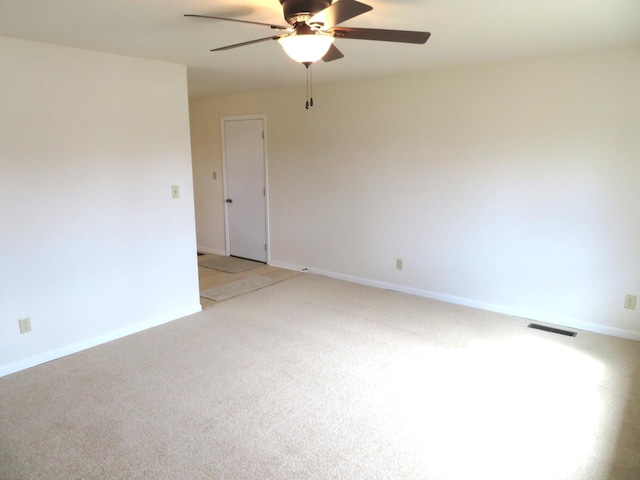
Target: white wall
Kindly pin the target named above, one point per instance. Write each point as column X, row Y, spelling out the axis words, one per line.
column 513, row 187
column 92, row 246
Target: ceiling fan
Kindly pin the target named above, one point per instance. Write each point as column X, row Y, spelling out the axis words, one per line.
column 313, row 27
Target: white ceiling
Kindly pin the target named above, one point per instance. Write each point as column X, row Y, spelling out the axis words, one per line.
column 463, row 31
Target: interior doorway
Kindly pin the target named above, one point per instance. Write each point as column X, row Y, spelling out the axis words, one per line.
column 245, row 187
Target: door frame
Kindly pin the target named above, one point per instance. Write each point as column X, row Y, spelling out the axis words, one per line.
column 263, row 117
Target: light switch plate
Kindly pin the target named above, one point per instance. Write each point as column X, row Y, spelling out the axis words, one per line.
column 175, row 191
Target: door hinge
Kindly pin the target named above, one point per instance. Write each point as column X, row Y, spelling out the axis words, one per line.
column 263, row 134
column 265, row 247
column 264, row 192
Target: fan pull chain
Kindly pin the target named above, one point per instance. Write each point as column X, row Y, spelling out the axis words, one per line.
column 311, row 86
column 309, row 102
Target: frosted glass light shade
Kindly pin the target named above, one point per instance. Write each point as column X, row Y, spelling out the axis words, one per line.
column 306, row 48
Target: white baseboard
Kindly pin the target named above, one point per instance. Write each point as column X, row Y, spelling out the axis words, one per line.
column 287, row 266
column 515, row 312
column 93, row 342
column 108, row 337
column 211, row 250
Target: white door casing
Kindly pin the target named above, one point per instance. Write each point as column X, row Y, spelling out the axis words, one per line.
column 245, row 186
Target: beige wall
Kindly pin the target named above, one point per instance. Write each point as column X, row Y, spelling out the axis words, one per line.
column 512, row 187
column 92, row 247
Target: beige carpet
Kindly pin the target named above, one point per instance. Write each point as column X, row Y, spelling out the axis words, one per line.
column 229, row 264
column 315, row 378
column 238, row 287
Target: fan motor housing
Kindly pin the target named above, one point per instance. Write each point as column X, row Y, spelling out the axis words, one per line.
column 298, row 11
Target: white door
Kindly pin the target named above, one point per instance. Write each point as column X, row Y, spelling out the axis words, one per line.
column 245, row 181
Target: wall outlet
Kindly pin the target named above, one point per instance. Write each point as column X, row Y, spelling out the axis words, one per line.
column 175, row 191
column 25, row 324
column 630, row 302
column 398, row 264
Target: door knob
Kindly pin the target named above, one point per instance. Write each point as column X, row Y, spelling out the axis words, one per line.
column 229, row 200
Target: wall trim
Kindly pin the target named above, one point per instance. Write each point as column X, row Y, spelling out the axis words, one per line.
column 211, row 250
column 95, row 341
column 512, row 311
column 287, row 266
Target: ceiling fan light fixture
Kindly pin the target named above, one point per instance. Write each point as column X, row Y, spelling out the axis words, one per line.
column 307, row 48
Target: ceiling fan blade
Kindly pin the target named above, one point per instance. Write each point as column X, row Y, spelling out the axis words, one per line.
column 402, row 36
column 338, row 12
column 275, row 27
column 332, row 54
column 250, row 42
